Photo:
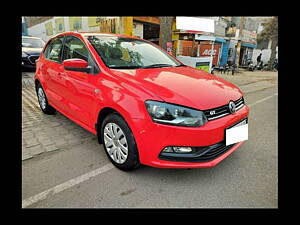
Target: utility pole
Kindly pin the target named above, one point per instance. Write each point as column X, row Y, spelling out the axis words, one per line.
column 165, row 31
column 238, row 50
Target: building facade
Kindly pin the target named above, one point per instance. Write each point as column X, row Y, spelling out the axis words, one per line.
column 232, row 41
column 47, row 27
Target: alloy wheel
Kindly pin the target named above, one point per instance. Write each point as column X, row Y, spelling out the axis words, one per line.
column 42, row 98
column 115, row 143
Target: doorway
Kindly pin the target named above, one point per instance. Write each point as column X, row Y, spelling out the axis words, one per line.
column 242, row 52
column 151, row 32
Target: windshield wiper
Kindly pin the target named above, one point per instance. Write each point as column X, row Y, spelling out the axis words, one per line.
column 157, row 66
column 143, row 67
column 180, row 65
column 124, row 67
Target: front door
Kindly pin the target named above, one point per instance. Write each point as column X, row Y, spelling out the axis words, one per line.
column 80, row 91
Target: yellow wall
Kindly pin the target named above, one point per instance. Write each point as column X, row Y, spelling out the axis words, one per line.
column 126, row 25
column 75, row 21
column 93, row 21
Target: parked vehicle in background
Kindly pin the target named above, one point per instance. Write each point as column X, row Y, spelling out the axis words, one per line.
column 31, row 49
column 145, row 106
column 275, row 65
column 261, row 66
column 250, row 65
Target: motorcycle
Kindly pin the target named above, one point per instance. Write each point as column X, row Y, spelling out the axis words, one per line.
column 275, row 64
column 251, row 65
column 260, row 66
column 212, row 69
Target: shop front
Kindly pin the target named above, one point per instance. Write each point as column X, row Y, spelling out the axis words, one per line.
column 191, row 51
column 206, row 47
column 213, row 46
column 147, row 28
column 246, row 53
column 248, row 44
column 223, row 56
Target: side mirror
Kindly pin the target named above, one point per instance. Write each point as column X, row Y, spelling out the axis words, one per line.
column 78, row 65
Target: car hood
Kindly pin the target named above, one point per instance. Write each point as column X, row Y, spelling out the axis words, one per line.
column 184, row 86
column 32, row 51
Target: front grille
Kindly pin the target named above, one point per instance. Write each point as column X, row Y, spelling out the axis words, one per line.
column 199, row 154
column 32, row 59
column 219, row 112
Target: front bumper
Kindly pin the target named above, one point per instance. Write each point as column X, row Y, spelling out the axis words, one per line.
column 29, row 61
column 152, row 138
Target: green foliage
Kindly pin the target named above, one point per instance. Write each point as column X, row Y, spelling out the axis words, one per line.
column 270, row 30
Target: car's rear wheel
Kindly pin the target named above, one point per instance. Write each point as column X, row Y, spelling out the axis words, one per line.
column 42, row 99
column 118, row 142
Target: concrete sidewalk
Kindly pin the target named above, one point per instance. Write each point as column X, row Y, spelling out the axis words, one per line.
column 247, row 77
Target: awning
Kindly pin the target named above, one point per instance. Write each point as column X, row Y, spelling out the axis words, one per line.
column 248, row 45
column 219, row 39
column 204, row 38
column 209, row 38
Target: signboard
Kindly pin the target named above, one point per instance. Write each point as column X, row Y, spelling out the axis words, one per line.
column 203, row 66
column 207, row 50
column 195, row 24
column 60, row 25
column 169, row 47
column 75, row 23
column 202, row 63
column 230, row 32
column 49, row 28
column 249, row 36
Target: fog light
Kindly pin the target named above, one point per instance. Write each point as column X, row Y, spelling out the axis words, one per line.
column 182, row 149
column 177, row 149
column 168, row 149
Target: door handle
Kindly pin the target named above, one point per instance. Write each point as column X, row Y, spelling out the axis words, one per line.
column 60, row 75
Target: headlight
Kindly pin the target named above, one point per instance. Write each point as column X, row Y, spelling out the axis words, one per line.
column 24, row 54
column 166, row 113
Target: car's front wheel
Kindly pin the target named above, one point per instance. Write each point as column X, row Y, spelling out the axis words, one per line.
column 118, row 142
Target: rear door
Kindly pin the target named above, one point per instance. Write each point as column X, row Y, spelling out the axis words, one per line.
column 54, row 74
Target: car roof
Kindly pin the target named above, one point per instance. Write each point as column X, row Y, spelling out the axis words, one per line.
column 86, row 34
column 106, row 34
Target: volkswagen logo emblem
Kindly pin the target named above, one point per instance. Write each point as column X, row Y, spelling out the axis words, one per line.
column 231, row 106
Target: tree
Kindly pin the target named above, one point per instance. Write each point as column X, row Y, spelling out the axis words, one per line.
column 270, row 32
column 165, row 31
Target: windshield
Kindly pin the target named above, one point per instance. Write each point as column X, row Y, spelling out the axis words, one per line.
column 129, row 53
column 32, row 43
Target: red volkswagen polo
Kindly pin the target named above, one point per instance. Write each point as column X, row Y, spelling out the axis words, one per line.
column 143, row 104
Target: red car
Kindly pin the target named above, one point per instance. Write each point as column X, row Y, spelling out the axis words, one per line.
column 144, row 105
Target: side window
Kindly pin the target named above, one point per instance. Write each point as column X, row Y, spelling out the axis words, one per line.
column 74, row 48
column 54, row 50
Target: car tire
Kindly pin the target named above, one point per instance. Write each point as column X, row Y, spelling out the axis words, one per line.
column 43, row 101
column 119, row 143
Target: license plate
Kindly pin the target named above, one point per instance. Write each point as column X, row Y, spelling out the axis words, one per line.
column 237, row 133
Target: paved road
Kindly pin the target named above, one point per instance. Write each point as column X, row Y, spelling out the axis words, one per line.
column 76, row 173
